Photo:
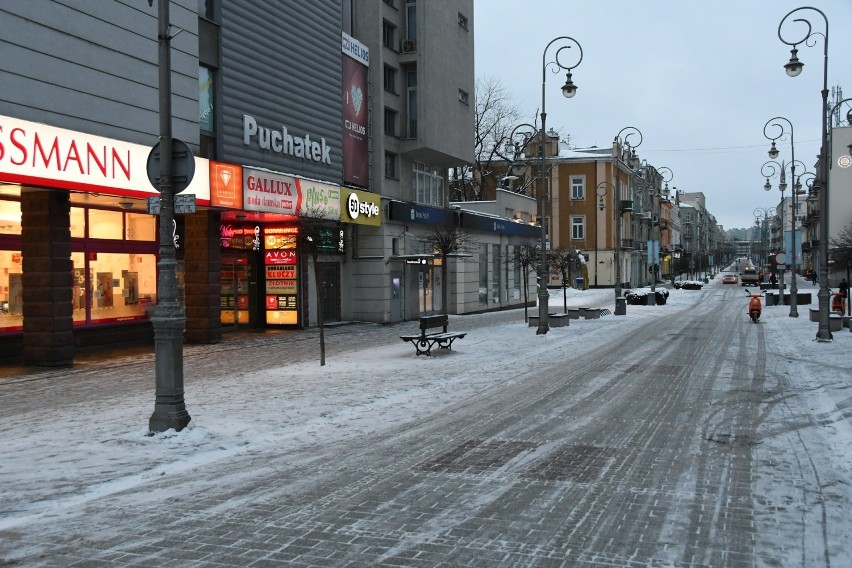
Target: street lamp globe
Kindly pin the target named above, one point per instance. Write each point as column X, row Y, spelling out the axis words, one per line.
column 767, row 186
column 773, row 152
column 794, row 66
column 569, row 89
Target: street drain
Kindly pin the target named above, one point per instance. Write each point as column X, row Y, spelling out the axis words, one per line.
column 576, row 463
column 478, row 456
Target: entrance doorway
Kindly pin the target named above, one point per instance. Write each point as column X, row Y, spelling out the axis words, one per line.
column 238, row 301
column 396, row 297
column 329, row 275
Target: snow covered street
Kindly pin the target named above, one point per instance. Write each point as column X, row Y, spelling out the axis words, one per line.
column 680, row 435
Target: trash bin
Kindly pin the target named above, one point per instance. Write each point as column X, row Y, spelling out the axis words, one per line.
column 578, row 283
column 771, row 300
column 621, row 306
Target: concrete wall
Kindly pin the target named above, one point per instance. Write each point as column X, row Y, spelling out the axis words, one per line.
column 283, row 68
column 93, row 67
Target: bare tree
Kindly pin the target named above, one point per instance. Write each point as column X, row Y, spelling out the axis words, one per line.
column 314, row 241
column 841, row 247
column 445, row 241
column 495, row 115
column 528, row 259
column 565, row 261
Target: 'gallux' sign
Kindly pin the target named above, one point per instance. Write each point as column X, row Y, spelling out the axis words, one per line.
column 270, row 192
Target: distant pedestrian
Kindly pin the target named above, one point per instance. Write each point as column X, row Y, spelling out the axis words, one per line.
column 843, row 288
column 813, row 276
column 773, row 280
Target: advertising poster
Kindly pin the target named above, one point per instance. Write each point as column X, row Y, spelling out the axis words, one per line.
column 319, row 200
column 226, row 185
column 281, row 282
column 356, row 59
column 270, row 192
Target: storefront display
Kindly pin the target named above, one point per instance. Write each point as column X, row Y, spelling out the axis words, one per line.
column 281, row 275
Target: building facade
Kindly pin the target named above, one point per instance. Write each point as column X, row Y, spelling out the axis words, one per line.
column 341, row 115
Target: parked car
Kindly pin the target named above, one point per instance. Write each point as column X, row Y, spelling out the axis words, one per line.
column 729, row 279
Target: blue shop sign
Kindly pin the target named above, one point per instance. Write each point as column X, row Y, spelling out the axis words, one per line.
column 413, row 213
column 500, row 226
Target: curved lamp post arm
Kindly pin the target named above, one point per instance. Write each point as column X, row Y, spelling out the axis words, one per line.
column 793, row 68
column 569, row 89
column 633, row 159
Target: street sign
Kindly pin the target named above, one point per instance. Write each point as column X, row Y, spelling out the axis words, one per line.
column 183, row 165
column 184, row 204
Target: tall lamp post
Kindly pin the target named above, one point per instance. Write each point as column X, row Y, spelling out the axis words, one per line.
column 633, row 162
column 654, row 256
column 569, row 89
column 169, row 316
column 793, row 69
column 776, row 123
column 601, row 190
column 762, row 217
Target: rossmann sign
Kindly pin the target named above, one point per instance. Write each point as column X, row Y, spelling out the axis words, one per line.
column 39, row 154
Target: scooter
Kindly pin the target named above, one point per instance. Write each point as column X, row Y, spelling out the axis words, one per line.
column 754, row 306
column 838, row 303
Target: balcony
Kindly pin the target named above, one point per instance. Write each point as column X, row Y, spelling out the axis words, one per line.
column 626, row 206
column 627, row 244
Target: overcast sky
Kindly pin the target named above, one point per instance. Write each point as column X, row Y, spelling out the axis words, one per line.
column 698, row 79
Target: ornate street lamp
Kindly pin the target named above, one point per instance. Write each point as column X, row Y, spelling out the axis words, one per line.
column 569, row 89
column 776, row 123
column 516, row 144
column 666, row 175
column 601, row 191
column 794, row 68
column 169, row 317
column 632, row 160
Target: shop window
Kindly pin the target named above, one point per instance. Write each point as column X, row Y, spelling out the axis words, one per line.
column 483, row 274
column 113, row 287
column 496, row 272
column 140, row 227
column 78, row 222
column 104, row 224
column 10, row 217
column 11, row 290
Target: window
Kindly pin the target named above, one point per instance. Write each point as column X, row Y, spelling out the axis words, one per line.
column 389, row 35
column 390, row 79
column 578, row 228
column 428, row 184
column 496, row 261
column 514, row 254
column 390, row 166
column 205, row 10
column 578, row 187
column 390, row 122
column 462, row 20
column 463, row 96
column 411, row 20
column 483, row 274
column 205, row 99
column 411, row 102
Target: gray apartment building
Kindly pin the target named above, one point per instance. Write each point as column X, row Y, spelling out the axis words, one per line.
column 347, row 112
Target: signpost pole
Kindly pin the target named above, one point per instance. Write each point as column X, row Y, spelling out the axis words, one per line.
column 169, row 317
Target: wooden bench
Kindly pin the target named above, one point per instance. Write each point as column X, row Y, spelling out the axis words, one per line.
column 425, row 341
